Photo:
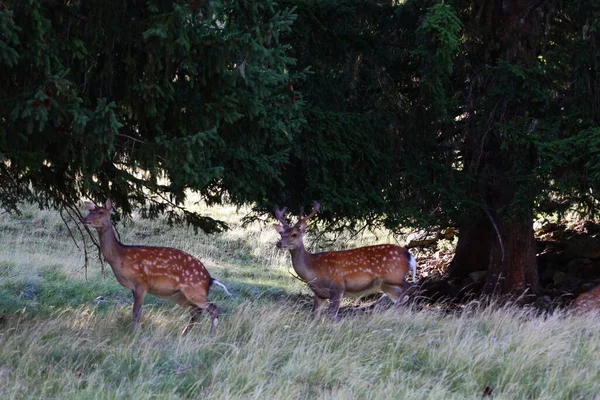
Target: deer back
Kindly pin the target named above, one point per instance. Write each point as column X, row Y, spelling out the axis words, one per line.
column 588, row 301
column 358, row 267
column 163, row 269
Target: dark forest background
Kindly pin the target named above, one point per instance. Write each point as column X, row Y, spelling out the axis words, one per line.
column 476, row 115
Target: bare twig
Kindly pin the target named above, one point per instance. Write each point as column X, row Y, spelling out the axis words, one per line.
column 61, row 211
column 75, row 215
column 66, row 223
column 131, row 138
column 295, row 276
column 497, row 232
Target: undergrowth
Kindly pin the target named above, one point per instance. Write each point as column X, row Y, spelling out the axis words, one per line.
column 68, row 336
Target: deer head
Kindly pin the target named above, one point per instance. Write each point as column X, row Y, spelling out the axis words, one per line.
column 292, row 236
column 99, row 217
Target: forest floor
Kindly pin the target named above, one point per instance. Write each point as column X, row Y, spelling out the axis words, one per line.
column 65, row 331
column 568, row 258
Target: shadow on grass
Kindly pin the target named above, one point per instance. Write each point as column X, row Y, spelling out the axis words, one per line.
column 52, row 289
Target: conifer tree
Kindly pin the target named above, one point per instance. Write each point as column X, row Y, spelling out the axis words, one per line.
column 422, row 113
column 142, row 100
column 478, row 115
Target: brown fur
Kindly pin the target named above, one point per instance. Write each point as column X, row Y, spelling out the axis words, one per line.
column 161, row 271
column 335, row 274
column 588, row 301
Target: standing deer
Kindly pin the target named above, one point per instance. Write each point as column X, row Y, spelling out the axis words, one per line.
column 161, row 271
column 588, row 301
column 356, row 272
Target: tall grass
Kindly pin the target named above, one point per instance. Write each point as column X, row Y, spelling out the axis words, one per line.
column 62, row 336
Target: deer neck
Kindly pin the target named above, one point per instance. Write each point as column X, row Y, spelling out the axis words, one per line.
column 110, row 247
column 301, row 261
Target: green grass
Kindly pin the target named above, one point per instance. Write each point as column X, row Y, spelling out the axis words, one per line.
column 65, row 337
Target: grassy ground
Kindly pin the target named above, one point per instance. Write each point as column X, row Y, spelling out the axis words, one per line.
column 62, row 336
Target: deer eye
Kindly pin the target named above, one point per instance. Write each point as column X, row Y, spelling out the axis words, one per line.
column 294, row 235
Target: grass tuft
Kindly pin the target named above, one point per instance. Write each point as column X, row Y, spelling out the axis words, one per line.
column 62, row 336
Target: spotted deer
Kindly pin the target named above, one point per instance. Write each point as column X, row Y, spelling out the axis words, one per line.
column 588, row 301
column 335, row 274
column 161, row 271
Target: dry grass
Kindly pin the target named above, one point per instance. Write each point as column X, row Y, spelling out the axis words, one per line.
column 64, row 337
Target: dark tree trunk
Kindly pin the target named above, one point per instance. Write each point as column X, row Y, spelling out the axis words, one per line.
column 500, row 239
column 505, row 249
column 512, row 266
column 473, row 249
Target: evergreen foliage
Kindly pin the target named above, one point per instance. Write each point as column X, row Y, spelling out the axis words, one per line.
column 444, row 101
column 419, row 112
column 347, row 150
column 108, row 98
column 475, row 114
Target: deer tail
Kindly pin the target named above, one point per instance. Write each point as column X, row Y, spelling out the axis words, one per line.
column 222, row 286
column 412, row 264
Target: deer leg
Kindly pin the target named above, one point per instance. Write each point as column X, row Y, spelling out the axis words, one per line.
column 195, row 314
column 409, row 288
column 335, row 299
column 138, row 299
column 394, row 292
column 199, row 300
column 214, row 314
column 399, row 293
column 318, row 305
column 194, row 310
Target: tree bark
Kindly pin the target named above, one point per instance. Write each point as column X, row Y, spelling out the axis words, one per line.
column 473, row 249
column 500, row 240
column 513, row 266
column 507, row 254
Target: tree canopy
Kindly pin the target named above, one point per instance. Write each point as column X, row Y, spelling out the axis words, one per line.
column 423, row 113
column 141, row 100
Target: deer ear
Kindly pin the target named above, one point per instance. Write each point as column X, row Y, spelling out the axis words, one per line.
column 279, row 228
column 302, row 226
column 108, row 205
column 90, row 206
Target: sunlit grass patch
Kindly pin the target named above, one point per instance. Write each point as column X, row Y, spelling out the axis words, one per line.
column 279, row 350
column 62, row 336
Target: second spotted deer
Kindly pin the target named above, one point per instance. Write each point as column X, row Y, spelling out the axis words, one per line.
column 335, row 274
column 588, row 301
column 161, row 271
